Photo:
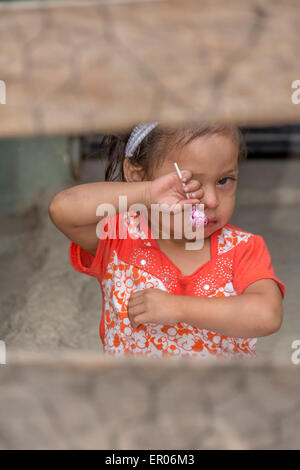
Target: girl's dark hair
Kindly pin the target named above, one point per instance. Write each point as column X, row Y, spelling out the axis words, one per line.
column 159, row 142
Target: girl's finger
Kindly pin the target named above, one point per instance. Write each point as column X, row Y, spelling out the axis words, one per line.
column 134, row 301
column 136, row 310
column 192, row 186
column 186, row 175
column 137, row 293
column 139, row 320
column 197, row 194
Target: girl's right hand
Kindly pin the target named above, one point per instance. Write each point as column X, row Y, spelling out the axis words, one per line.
column 169, row 189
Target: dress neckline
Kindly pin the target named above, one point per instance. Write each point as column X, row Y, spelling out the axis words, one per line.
column 213, row 252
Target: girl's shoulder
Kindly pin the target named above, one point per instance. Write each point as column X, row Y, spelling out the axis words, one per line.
column 251, row 258
column 230, row 237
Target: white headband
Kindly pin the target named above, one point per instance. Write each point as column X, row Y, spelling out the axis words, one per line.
column 137, row 136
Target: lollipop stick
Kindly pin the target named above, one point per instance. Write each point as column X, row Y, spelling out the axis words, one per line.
column 180, row 177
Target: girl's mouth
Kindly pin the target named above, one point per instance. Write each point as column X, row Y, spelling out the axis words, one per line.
column 211, row 221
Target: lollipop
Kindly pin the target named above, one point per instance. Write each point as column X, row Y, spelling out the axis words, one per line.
column 197, row 217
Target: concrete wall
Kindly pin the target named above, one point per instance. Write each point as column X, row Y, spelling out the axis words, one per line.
column 83, row 401
column 29, row 166
column 101, row 66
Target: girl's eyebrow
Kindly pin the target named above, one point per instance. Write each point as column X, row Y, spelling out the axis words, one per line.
column 233, row 170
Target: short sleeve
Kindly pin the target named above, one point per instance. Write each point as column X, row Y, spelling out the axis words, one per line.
column 95, row 266
column 252, row 262
column 82, row 260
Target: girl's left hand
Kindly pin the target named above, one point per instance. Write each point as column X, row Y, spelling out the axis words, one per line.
column 153, row 306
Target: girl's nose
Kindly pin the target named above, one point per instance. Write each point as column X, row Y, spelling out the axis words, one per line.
column 210, row 198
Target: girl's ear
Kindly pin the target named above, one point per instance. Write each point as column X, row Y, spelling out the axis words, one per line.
column 132, row 173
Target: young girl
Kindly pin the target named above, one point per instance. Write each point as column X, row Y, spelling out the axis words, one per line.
column 160, row 299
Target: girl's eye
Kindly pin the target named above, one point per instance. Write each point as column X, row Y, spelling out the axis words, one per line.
column 227, row 178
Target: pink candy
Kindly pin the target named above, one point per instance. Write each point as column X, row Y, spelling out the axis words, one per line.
column 197, row 217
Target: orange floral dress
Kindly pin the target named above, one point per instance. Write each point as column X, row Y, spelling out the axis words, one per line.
column 128, row 259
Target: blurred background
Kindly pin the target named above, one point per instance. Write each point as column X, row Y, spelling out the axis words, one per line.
column 75, row 71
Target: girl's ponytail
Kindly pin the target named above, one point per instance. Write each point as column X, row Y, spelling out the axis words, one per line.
column 114, row 150
column 114, row 147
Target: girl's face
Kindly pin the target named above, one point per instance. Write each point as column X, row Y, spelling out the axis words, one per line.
column 213, row 160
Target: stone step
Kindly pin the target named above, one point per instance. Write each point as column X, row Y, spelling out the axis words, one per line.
column 80, row 400
column 98, row 66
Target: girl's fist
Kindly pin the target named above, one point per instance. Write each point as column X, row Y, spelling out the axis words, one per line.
column 168, row 189
column 153, row 306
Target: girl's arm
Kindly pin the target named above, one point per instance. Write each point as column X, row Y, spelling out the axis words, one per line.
column 257, row 312
column 73, row 210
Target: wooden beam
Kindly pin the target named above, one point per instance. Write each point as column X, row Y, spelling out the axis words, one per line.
column 81, row 67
